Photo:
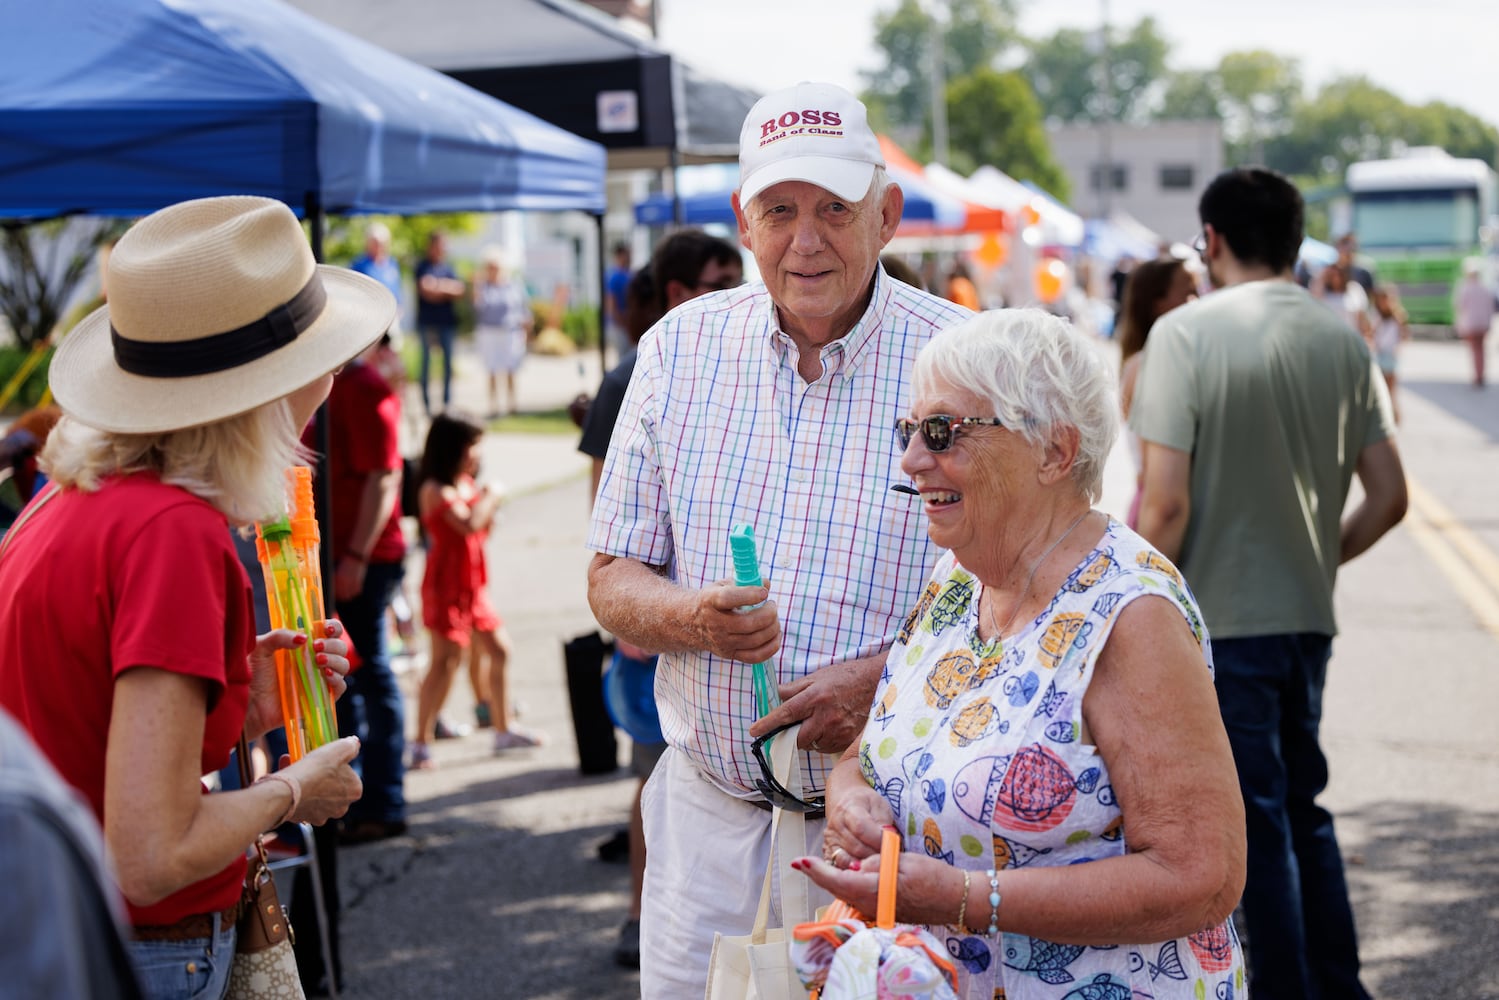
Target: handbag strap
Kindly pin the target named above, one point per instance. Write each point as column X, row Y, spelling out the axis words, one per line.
column 889, row 872
column 788, row 841
column 242, row 752
column 31, row 508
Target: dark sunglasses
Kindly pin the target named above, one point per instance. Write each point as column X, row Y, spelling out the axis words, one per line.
column 776, row 793
column 938, row 430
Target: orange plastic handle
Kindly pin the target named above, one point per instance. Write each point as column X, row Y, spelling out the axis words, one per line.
column 889, row 871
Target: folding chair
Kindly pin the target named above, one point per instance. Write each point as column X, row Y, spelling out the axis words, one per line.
column 308, row 859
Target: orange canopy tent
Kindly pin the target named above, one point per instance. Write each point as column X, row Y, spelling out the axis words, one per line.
column 980, row 218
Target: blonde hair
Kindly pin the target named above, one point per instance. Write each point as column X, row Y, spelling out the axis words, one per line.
column 237, row 464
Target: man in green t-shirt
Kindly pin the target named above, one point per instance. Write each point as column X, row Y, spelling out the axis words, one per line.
column 1257, row 406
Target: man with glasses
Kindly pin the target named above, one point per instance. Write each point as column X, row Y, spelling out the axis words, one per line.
column 1257, row 406
column 769, row 405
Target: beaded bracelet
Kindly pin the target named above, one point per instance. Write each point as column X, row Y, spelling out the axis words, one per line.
column 963, row 906
column 994, row 898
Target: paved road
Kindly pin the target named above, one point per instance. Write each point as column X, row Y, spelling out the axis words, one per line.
column 496, row 891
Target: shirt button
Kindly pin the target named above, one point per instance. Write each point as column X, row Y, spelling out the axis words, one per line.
column 784, row 562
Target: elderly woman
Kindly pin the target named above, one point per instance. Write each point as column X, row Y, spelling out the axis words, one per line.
column 1045, row 735
column 128, row 648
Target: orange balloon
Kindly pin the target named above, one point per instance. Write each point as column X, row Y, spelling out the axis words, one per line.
column 992, row 252
column 1029, row 215
column 1051, row 278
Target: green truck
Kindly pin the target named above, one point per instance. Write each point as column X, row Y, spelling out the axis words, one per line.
column 1417, row 218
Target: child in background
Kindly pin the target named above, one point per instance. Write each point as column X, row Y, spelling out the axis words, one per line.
column 457, row 513
column 1390, row 328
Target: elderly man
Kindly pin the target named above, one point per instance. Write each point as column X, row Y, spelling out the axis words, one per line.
column 771, row 405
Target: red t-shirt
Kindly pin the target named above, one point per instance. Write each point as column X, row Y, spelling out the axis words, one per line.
column 364, row 424
column 136, row 574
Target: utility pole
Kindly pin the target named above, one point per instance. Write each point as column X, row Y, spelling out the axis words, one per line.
column 938, row 72
column 1105, row 140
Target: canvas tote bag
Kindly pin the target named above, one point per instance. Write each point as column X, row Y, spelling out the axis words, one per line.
column 757, row 966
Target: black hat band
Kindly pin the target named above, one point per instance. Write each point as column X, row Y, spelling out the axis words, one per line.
column 221, row 351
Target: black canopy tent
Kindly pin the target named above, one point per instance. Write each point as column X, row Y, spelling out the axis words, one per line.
column 564, row 62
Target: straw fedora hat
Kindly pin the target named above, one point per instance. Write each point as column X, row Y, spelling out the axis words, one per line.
column 216, row 306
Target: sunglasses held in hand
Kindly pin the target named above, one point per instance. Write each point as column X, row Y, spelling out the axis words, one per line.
column 776, row 793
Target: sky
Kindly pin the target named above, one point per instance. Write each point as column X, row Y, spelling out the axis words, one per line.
column 1421, row 50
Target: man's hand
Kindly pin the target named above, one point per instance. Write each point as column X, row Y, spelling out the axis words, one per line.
column 832, row 704
column 748, row 636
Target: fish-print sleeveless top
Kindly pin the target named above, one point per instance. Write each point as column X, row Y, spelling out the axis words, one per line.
column 976, row 747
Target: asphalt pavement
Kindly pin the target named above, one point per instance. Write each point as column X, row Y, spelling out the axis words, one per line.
column 497, row 891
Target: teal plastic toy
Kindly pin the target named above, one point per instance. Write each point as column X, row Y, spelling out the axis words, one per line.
column 747, row 574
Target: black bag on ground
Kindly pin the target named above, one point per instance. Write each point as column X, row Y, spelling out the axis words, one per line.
column 585, row 656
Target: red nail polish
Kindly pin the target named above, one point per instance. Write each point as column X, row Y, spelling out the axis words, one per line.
column 299, row 640
column 322, row 658
column 853, row 866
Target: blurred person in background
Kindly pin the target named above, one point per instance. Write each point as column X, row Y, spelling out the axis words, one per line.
column 438, row 289
column 1152, row 289
column 1475, row 314
column 503, row 315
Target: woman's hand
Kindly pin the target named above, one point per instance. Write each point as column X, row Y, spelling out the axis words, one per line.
column 329, row 784
column 332, row 656
column 856, row 816
column 927, row 891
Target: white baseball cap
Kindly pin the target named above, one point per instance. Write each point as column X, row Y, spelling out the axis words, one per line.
column 813, row 132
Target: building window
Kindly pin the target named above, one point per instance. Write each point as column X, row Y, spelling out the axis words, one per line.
column 1177, row 177
column 1117, row 174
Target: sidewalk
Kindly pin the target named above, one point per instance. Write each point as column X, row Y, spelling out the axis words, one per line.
column 524, row 463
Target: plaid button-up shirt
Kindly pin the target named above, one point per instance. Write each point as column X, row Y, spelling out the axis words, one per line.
column 718, row 429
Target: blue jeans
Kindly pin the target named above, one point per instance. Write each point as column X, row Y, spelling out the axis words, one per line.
column 372, row 708
column 442, row 336
column 1302, row 943
column 185, row 970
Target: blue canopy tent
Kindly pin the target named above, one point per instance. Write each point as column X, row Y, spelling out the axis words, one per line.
column 119, row 107
column 924, row 206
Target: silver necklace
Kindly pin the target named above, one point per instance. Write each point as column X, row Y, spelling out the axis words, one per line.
column 993, row 619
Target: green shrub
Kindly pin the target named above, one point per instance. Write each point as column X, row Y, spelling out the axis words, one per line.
column 581, row 324
column 30, row 391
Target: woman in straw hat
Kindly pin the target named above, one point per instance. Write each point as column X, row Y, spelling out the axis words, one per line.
column 128, row 647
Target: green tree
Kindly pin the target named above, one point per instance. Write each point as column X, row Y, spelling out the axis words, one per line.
column 1067, row 72
column 995, row 118
column 1459, row 132
column 1259, row 93
column 975, row 34
column 41, row 266
column 1350, row 119
column 343, row 237
column 1190, row 95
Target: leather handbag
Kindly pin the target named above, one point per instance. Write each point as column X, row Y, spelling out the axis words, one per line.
column 757, row 966
column 265, row 967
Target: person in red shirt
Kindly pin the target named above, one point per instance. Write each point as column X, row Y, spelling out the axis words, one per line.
column 364, row 463
column 128, row 649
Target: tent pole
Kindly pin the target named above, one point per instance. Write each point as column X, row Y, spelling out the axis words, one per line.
column 322, row 473
column 603, row 291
